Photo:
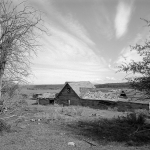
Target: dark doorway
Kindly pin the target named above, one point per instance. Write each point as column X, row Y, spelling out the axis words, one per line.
column 51, row 101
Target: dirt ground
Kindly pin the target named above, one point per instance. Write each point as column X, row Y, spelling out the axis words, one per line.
column 46, row 128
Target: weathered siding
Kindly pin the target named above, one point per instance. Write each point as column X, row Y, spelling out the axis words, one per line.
column 65, row 96
column 46, row 101
column 98, row 104
column 122, row 106
column 65, row 100
column 131, row 106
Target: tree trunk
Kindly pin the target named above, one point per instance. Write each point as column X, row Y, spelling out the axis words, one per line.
column 2, row 66
column 0, row 87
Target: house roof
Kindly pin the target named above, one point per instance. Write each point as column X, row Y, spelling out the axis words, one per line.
column 134, row 96
column 131, row 93
column 76, row 86
column 46, row 95
column 99, row 95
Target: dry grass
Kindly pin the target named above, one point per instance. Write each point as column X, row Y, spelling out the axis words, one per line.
column 4, row 126
column 71, row 110
column 131, row 130
column 52, row 127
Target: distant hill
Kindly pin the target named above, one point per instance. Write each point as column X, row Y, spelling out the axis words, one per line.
column 44, row 86
column 60, row 86
column 49, row 86
column 113, row 85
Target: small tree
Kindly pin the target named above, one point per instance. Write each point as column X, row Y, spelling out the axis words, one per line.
column 142, row 67
column 19, row 26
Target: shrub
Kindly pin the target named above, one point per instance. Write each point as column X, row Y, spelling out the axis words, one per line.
column 142, row 111
column 4, row 126
column 135, row 119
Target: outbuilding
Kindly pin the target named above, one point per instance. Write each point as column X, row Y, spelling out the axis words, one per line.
column 46, row 98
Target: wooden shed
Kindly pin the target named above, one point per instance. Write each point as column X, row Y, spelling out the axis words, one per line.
column 46, row 98
column 71, row 93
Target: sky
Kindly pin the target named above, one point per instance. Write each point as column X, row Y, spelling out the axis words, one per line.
column 88, row 39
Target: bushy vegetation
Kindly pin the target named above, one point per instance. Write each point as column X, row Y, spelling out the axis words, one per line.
column 140, row 69
column 131, row 129
column 4, row 126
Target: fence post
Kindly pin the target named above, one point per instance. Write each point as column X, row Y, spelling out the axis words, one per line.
column 69, row 102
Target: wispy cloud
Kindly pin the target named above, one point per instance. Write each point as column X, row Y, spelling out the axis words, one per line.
column 66, row 57
column 75, row 28
column 122, row 18
column 104, row 21
column 126, row 55
column 110, row 78
column 72, row 52
column 68, row 22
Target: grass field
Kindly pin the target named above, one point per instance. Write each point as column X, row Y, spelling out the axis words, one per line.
column 52, row 127
column 35, row 127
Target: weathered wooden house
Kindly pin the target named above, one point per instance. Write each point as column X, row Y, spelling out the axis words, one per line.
column 71, row 93
column 85, row 94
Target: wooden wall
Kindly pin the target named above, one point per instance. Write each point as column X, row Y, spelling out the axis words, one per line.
column 97, row 104
column 121, row 106
column 46, row 101
column 64, row 97
column 131, row 106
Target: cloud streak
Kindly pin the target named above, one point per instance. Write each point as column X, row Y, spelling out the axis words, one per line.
column 126, row 55
column 66, row 57
column 76, row 49
column 122, row 18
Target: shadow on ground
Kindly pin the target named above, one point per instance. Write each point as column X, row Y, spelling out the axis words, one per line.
column 131, row 130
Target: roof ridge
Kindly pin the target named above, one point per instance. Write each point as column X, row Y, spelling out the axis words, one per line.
column 76, row 81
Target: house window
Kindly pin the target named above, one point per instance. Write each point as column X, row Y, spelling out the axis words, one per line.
column 68, row 90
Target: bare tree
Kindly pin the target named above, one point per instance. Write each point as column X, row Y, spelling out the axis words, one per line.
column 19, row 25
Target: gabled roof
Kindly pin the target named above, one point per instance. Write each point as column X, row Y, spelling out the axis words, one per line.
column 76, row 86
column 99, row 95
column 122, row 94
